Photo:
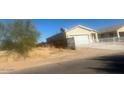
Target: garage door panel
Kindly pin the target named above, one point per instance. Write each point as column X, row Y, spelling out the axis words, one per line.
column 81, row 40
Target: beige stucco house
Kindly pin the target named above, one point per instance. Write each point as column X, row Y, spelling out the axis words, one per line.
column 114, row 34
column 111, row 32
column 75, row 37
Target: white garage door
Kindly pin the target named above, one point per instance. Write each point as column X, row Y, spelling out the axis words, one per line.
column 81, row 40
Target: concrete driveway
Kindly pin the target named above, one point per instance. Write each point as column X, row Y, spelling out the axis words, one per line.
column 108, row 46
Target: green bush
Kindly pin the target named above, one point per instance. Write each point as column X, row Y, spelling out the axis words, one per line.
column 19, row 36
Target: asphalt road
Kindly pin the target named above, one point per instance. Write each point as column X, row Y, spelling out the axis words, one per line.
column 102, row 65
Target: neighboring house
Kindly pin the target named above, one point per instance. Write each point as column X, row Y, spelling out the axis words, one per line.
column 116, row 31
column 75, row 37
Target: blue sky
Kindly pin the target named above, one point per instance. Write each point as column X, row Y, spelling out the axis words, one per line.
column 48, row 27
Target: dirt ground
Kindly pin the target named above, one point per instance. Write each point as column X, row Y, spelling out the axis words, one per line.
column 47, row 55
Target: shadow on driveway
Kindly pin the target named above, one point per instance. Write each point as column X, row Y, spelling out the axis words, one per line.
column 114, row 64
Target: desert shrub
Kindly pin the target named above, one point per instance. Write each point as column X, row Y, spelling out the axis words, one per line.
column 19, row 36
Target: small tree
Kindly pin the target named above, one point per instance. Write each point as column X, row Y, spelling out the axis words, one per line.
column 20, row 36
column 2, row 33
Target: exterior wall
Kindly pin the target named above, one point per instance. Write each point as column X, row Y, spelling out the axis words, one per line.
column 78, row 31
column 58, row 40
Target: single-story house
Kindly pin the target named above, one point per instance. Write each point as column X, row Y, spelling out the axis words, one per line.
column 75, row 37
column 111, row 32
